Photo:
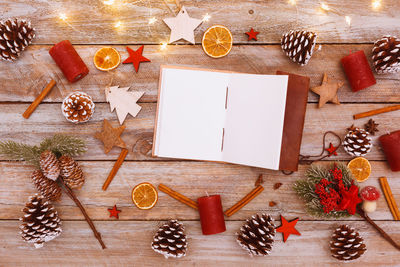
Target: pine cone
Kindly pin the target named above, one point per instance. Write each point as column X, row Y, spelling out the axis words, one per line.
column 40, row 222
column 49, row 165
column 170, row 240
column 386, row 55
column 71, row 172
column 346, row 244
column 299, row 45
column 257, row 235
column 15, row 36
column 357, row 142
column 47, row 188
column 78, row 107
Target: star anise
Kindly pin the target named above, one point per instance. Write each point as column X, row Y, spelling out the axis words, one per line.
column 371, row 126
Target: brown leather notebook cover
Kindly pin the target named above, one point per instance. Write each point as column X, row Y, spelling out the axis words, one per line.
column 295, row 113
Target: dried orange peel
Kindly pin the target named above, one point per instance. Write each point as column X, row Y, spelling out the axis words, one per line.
column 144, row 196
column 106, row 58
column 360, row 168
column 217, row 41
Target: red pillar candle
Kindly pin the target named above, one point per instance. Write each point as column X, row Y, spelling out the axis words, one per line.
column 68, row 60
column 391, row 147
column 211, row 215
column 358, row 71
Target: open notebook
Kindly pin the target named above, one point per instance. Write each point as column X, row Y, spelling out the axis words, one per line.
column 228, row 117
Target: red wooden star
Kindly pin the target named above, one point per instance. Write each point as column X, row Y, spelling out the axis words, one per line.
column 350, row 200
column 331, row 150
column 114, row 212
column 287, row 228
column 252, row 34
column 136, row 57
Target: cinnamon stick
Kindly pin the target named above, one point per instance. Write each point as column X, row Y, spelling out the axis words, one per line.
column 71, row 194
column 375, row 112
column 178, row 196
column 115, row 168
column 244, row 201
column 389, row 198
column 38, row 99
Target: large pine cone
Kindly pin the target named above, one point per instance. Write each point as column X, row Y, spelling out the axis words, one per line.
column 357, row 142
column 15, row 36
column 170, row 240
column 47, row 188
column 257, row 235
column 347, row 244
column 299, row 45
column 71, row 172
column 78, row 107
column 49, row 165
column 386, row 55
column 40, row 222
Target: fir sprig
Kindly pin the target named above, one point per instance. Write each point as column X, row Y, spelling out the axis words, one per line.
column 59, row 144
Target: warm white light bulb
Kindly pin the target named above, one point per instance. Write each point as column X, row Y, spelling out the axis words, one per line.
column 348, row 20
column 118, row 24
column 152, row 20
column 62, row 16
column 163, row 46
column 206, row 17
column 376, row 4
column 108, row 2
column 325, row 6
column 293, row 2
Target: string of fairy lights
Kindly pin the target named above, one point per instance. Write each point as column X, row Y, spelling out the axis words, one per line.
column 323, row 8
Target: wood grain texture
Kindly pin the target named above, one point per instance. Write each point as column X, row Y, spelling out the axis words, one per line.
column 128, row 244
column 92, row 22
column 192, row 179
column 24, row 79
column 48, row 120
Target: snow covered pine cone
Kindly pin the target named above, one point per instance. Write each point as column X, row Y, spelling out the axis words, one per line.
column 386, row 55
column 346, row 244
column 256, row 236
column 71, row 172
column 170, row 240
column 47, row 188
column 15, row 36
column 78, row 107
column 49, row 165
column 40, row 222
column 357, row 142
column 299, row 45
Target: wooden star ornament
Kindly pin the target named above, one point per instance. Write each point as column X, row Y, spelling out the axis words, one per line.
column 135, row 57
column 182, row 26
column 114, row 212
column 327, row 91
column 252, row 34
column 287, row 228
column 110, row 136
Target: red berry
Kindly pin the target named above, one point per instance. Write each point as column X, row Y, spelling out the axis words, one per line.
column 370, row 193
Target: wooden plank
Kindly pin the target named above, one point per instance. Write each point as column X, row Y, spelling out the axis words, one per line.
column 24, row 79
column 270, row 18
column 193, row 179
column 48, row 120
column 128, row 243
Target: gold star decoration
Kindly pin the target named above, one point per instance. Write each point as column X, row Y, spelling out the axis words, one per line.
column 327, row 91
column 110, row 136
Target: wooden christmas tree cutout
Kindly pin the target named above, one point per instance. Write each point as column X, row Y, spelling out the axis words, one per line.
column 123, row 102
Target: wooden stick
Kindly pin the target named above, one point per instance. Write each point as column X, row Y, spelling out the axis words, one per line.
column 71, row 194
column 115, row 169
column 38, row 99
column 177, row 196
column 244, row 201
column 375, row 112
column 389, row 198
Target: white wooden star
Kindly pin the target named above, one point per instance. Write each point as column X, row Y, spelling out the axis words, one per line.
column 182, row 26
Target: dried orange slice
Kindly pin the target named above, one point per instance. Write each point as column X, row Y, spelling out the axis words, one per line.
column 360, row 168
column 217, row 41
column 106, row 58
column 144, row 196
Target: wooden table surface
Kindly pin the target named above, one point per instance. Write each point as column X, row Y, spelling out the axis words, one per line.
column 89, row 26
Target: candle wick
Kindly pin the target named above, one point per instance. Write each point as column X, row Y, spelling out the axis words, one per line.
column 207, row 194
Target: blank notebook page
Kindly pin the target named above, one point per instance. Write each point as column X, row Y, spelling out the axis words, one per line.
column 191, row 114
column 254, row 121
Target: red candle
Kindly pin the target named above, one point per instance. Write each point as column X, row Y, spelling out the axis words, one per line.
column 211, row 215
column 358, row 71
column 68, row 60
column 391, row 147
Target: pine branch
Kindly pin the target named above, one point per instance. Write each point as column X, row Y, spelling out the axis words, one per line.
column 19, row 152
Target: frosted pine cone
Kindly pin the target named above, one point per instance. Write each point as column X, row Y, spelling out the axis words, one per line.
column 49, row 165
column 15, row 36
column 357, row 142
column 71, row 172
column 170, row 240
column 78, row 107
column 47, row 188
column 299, row 45
column 40, row 222
column 347, row 244
column 257, row 235
column 386, row 55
